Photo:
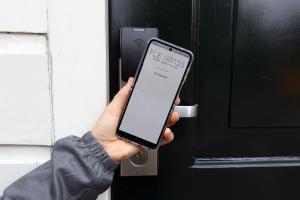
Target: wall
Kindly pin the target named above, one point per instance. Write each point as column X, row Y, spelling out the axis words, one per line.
column 53, row 77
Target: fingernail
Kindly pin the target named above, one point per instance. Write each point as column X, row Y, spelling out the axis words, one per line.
column 130, row 80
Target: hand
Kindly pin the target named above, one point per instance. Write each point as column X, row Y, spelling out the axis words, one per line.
column 105, row 128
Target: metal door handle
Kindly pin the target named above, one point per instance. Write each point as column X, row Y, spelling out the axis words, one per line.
column 187, row 111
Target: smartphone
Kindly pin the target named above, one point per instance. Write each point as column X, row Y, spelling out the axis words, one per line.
column 162, row 71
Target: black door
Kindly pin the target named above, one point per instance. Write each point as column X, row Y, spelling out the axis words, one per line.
column 245, row 142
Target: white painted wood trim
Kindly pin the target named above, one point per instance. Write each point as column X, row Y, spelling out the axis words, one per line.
column 14, row 154
column 25, row 109
column 23, row 16
column 19, row 43
column 77, row 39
column 78, row 44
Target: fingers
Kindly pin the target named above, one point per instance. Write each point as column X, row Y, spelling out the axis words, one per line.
column 173, row 118
column 128, row 149
column 120, row 149
column 174, row 115
column 167, row 137
column 120, row 98
column 130, row 81
column 177, row 101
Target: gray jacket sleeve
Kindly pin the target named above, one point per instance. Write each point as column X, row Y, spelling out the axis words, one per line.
column 79, row 169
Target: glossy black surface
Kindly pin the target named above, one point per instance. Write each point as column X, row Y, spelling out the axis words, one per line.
column 173, row 19
column 221, row 36
column 170, row 17
column 227, row 48
column 266, row 70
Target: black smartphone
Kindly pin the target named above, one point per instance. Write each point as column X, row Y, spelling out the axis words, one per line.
column 162, row 71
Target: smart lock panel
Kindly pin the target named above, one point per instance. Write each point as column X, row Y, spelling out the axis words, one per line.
column 133, row 41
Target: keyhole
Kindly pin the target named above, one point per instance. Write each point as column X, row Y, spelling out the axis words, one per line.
column 140, row 158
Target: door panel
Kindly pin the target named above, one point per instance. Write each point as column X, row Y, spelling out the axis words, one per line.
column 266, row 69
column 176, row 20
column 173, row 19
column 221, row 37
column 248, row 80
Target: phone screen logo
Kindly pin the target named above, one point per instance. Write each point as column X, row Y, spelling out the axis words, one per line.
column 166, row 59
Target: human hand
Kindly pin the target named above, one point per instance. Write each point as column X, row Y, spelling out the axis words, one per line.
column 105, row 128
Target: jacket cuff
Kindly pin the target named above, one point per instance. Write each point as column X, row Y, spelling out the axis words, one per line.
column 97, row 150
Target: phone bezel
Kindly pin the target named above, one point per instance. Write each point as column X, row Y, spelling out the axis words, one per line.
column 131, row 137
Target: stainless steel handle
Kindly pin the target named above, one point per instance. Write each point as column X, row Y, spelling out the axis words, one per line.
column 187, row 111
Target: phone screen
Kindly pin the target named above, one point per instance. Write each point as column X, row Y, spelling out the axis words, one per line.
column 155, row 89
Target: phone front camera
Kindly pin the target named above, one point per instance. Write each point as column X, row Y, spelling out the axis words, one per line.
column 170, row 49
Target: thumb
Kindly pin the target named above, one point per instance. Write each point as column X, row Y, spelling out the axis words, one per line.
column 119, row 100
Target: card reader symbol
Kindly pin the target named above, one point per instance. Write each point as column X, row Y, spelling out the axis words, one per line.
column 139, row 43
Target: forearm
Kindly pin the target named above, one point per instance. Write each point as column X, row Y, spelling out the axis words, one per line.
column 79, row 169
